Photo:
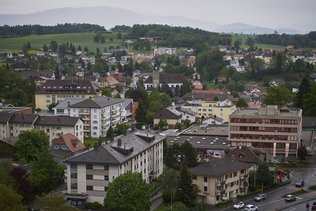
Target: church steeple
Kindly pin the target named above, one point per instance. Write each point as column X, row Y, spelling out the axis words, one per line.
column 156, row 73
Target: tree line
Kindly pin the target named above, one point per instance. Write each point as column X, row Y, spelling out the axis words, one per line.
column 178, row 36
column 297, row 40
column 24, row 30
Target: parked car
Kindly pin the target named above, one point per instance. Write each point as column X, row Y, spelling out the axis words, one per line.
column 260, row 197
column 239, row 205
column 299, row 183
column 251, row 207
column 290, row 198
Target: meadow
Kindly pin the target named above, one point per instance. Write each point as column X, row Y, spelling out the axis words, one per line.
column 37, row 41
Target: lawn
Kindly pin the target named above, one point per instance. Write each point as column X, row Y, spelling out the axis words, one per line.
column 243, row 38
column 37, row 41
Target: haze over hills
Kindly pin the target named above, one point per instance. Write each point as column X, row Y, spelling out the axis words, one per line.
column 109, row 17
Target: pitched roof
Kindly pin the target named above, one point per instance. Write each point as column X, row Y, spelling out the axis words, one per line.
column 244, row 154
column 113, row 152
column 10, row 140
column 71, row 141
column 98, row 102
column 5, row 117
column 166, row 114
column 57, row 120
column 67, row 86
column 167, row 78
column 88, row 103
column 218, row 167
column 23, row 118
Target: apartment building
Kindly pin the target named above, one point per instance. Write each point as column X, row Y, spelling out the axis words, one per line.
column 221, row 179
column 97, row 114
column 209, row 109
column 276, row 132
column 12, row 124
column 54, row 91
column 90, row 172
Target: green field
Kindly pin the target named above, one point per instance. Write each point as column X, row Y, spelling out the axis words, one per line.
column 37, row 41
column 243, row 38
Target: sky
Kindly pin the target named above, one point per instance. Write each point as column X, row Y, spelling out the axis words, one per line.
column 267, row 13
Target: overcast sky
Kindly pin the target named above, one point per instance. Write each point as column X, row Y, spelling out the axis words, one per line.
column 269, row 13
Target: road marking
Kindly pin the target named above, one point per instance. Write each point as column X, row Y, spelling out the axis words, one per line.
column 299, row 198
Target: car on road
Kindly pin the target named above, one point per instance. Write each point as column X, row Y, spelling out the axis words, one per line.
column 251, row 207
column 299, row 183
column 239, row 205
column 290, row 198
column 260, row 197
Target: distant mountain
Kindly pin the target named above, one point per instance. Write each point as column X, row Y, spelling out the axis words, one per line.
column 104, row 16
column 110, row 16
column 250, row 29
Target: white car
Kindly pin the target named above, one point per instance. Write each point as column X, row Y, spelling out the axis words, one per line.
column 251, row 207
column 239, row 205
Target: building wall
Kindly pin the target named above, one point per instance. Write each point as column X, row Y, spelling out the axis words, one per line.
column 209, row 109
column 4, row 130
column 17, row 128
column 228, row 186
column 170, row 122
column 273, row 135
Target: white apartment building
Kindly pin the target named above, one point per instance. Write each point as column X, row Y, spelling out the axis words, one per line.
column 97, row 114
column 90, row 172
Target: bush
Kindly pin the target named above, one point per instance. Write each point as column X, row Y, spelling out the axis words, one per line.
column 312, row 187
column 94, row 205
column 224, row 202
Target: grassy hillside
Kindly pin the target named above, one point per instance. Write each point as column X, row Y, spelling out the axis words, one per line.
column 243, row 38
column 37, row 41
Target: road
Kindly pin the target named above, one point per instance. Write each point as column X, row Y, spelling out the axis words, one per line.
column 275, row 201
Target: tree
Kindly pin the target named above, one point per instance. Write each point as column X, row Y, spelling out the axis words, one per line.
column 51, row 106
column 128, row 192
column 53, row 46
column 237, row 44
column 309, row 101
column 141, row 113
column 186, row 191
column 53, row 201
column 170, row 179
column 10, row 200
column 302, row 90
column 105, row 91
column 278, row 95
column 30, row 144
column 17, row 97
column 241, row 103
column 110, row 133
column 263, row 175
column 302, row 152
column 22, row 184
column 162, row 123
column 251, row 42
column 121, row 129
column 46, row 173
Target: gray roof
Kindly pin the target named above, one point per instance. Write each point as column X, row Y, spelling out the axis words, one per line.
column 98, row 102
column 57, row 120
column 10, row 140
column 111, row 153
column 244, row 154
column 5, row 117
column 262, row 113
column 64, row 104
column 207, row 130
column 309, row 122
column 219, row 167
column 23, row 118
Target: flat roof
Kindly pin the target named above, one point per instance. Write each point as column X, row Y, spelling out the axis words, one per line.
column 207, row 130
column 254, row 113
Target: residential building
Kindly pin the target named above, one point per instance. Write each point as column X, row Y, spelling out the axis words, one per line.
column 221, row 109
column 97, row 114
column 65, row 146
column 165, row 51
column 276, row 132
column 56, row 126
column 171, row 116
column 221, row 179
column 54, row 91
column 91, row 172
column 173, row 81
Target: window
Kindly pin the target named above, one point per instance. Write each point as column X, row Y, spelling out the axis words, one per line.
column 73, row 166
column 89, row 187
column 205, row 188
column 106, row 167
column 205, row 179
column 73, row 175
column 74, row 186
column 235, row 174
column 89, row 166
column 89, row 177
column 106, row 177
column 105, row 188
column 194, row 177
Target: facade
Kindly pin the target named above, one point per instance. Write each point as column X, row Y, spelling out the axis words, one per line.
column 12, row 125
column 216, row 109
column 54, row 91
column 97, row 114
column 165, row 51
column 173, row 81
column 171, row 116
column 221, row 179
column 276, row 132
column 91, row 171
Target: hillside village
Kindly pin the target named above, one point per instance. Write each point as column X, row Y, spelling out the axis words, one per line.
column 223, row 111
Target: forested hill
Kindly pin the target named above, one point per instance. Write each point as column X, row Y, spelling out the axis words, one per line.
column 13, row 31
column 297, row 40
column 179, row 36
